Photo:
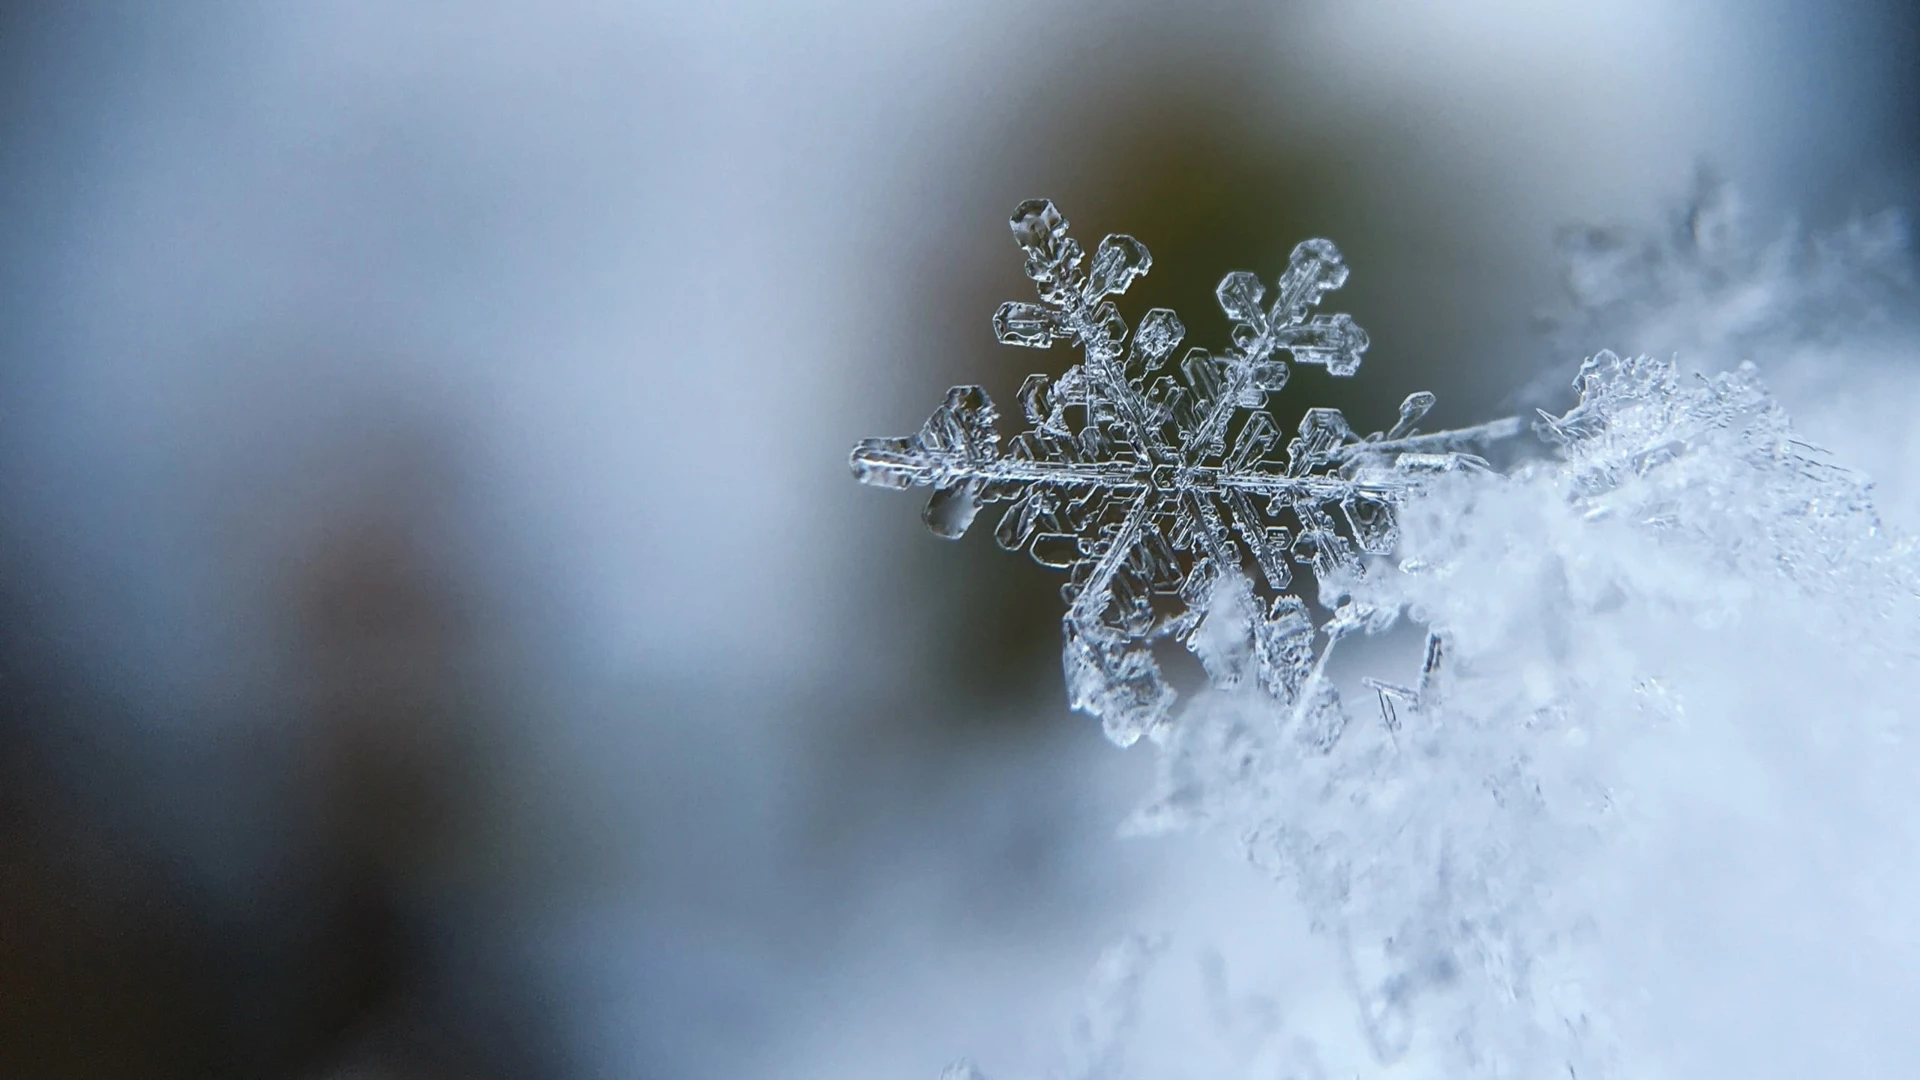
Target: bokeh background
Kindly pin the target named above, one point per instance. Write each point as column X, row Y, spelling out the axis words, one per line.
column 440, row 635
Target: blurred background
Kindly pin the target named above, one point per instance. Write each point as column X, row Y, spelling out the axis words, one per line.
column 440, row 635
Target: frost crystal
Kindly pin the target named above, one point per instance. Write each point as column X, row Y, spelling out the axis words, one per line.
column 1646, row 810
column 1153, row 484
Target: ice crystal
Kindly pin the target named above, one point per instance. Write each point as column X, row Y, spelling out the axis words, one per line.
column 1154, row 484
column 1646, row 807
column 1831, row 313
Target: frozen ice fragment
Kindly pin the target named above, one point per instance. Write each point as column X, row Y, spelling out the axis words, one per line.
column 1371, row 521
column 1107, row 324
column 1158, row 335
column 1018, row 523
column 1058, row 550
column 1034, row 400
column 952, row 509
column 1412, row 410
column 893, row 463
column 1037, row 225
column 973, row 416
column 1239, row 294
column 1204, row 375
column 1095, row 444
column 1334, row 341
column 1253, row 442
column 1266, row 376
column 1116, row 262
column 1314, row 269
column 1027, row 324
column 1321, row 430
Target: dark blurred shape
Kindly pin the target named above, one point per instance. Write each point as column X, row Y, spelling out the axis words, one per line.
column 339, row 953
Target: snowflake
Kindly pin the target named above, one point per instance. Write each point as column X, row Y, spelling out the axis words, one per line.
column 1153, row 490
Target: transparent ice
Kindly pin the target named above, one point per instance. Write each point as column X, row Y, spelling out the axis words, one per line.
column 1157, row 486
column 1644, row 805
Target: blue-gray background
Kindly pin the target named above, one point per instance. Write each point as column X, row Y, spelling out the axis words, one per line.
column 440, row 635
